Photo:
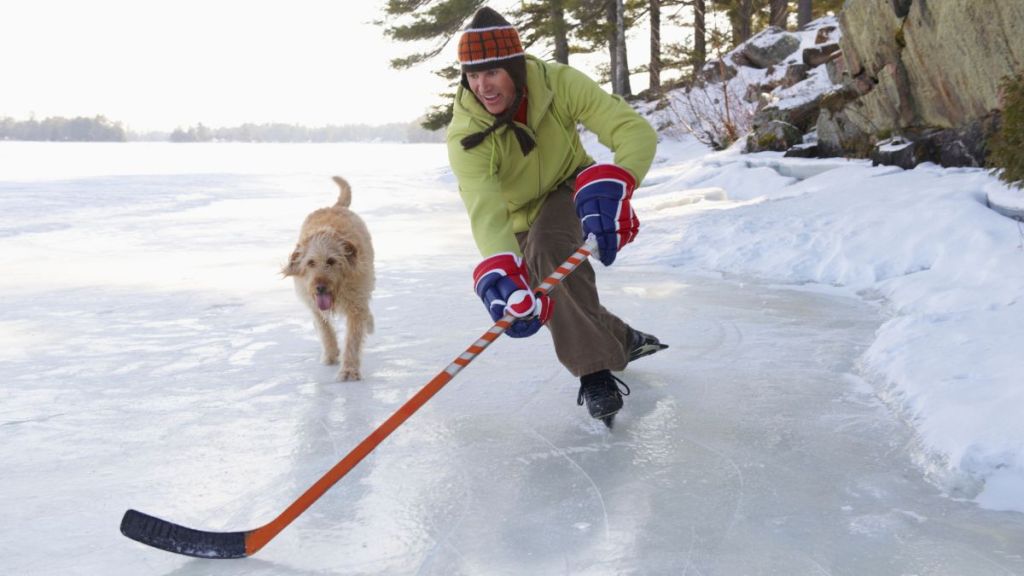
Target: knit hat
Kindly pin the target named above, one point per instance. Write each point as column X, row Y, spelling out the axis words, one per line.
column 491, row 42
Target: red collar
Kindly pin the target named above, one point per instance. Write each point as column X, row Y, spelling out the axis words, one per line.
column 521, row 113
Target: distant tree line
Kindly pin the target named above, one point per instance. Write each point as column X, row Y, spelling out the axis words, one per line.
column 101, row 129
column 394, row 132
column 80, row 129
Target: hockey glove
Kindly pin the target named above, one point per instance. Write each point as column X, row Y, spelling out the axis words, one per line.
column 503, row 284
column 602, row 204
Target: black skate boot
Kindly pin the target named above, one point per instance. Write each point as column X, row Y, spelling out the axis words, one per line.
column 602, row 392
column 642, row 344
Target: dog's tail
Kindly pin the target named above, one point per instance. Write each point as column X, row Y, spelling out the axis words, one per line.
column 345, row 195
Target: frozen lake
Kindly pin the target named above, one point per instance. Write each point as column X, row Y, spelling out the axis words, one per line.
column 154, row 359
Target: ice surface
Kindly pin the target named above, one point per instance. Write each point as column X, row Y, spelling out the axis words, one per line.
column 154, row 359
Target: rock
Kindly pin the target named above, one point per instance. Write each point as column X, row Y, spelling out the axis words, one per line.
column 836, row 69
column 899, row 151
column 775, row 136
column 931, row 67
column 809, row 150
column 838, row 135
column 824, row 34
column 795, row 73
column 802, row 115
column 818, row 55
column 716, row 71
column 768, row 48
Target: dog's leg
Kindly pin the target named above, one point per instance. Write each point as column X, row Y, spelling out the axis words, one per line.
column 356, row 324
column 328, row 338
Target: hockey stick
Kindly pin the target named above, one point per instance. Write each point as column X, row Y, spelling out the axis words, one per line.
column 172, row 537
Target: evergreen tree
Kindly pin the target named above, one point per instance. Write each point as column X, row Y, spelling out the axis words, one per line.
column 58, row 129
column 654, row 68
column 540, row 20
column 436, row 21
column 803, row 12
column 602, row 26
column 1006, row 146
column 700, row 49
column 778, row 13
column 617, row 46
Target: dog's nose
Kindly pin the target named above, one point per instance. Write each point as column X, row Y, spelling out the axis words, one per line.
column 320, row 288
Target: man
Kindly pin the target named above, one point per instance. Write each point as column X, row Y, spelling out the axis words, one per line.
column 533, row 194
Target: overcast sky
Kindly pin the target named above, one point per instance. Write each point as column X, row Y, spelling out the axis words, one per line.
column 160, row 65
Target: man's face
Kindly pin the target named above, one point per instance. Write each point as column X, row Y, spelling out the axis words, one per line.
column 494, row 89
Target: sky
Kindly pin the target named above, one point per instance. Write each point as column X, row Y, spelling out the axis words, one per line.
column 164, row 65
column 161, row 65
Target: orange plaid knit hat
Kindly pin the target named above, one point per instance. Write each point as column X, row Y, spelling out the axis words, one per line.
column 491, row 42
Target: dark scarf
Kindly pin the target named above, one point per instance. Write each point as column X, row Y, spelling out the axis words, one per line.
column 507, row 118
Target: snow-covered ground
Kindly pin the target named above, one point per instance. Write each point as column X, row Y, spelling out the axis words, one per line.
column 842, row 395
column 949, row 270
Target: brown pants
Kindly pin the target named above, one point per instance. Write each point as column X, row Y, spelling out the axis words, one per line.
column 587, row 337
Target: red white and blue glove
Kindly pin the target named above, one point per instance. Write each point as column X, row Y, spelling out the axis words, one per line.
column 602, row 204
column 503, row 283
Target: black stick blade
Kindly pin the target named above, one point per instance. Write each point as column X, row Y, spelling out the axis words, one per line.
column 171, row 537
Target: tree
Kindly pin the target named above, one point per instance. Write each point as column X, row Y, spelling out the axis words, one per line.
column 778, row 13
column 803, row 12
column 538, row 20
column 620, row 64
column 1006, row 145
column 603, row 26
column 654, row 68
column 744, row 22
column 58, row 129
column 433, row 20
column 437, row 21
column 700, row 49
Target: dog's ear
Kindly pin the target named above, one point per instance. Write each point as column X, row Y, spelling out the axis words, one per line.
column 349, row 251
column 292, row 268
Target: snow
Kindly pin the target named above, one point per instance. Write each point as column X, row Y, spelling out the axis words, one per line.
column 842, row 394
column 950, row 271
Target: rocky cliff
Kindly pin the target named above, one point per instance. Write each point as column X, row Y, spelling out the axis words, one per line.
column 905, row 81
column 925, row 72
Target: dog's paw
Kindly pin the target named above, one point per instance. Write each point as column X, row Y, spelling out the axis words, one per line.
column 349, row 374
column 329, row 359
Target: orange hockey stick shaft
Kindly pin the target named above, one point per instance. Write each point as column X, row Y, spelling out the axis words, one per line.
column 256, row 539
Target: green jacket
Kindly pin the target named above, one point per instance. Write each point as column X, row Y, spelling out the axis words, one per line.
column 503, row 190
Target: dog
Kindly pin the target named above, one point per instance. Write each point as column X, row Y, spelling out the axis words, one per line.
column 332, row 266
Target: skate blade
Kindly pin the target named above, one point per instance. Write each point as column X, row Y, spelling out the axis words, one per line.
column 647, row 350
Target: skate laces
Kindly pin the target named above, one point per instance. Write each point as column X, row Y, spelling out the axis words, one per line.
column 601, row 385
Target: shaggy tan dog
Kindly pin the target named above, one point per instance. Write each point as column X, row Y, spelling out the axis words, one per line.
column 332, row 266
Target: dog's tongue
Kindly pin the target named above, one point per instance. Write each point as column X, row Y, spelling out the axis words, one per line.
column 324, row 301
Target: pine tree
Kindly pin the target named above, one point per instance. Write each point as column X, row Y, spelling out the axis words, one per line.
column 439, row 22
column 700, row 49
column 778, row 13
column 540, row 20
column 654, row 68
column 1006, row 146
column 803, row 12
